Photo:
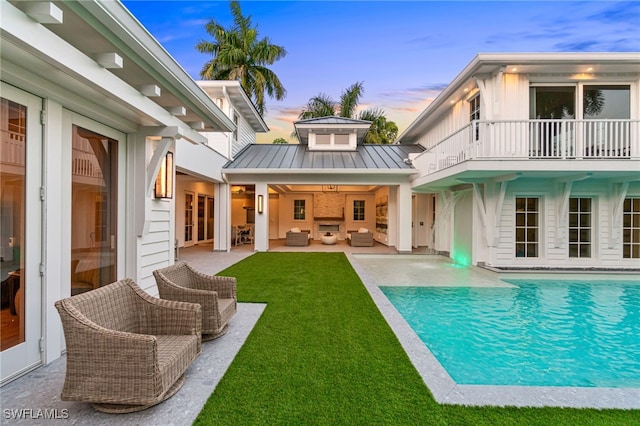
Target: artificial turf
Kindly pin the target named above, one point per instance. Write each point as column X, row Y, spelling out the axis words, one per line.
column 322, row 353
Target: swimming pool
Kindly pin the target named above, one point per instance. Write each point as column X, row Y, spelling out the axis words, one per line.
column 530, row 332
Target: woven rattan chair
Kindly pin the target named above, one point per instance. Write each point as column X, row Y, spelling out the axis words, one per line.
column 126, row 350
column 360, row 239
column 217, row 295
column 299, row 239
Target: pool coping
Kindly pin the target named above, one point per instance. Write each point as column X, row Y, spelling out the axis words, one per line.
column 446, row 391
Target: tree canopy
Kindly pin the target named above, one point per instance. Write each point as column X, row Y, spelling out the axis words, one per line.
column 239, row 54
column 382, row 131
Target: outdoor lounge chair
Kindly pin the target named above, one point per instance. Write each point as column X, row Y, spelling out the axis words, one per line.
column 126, row 350
column 360, row 239
column 298, row 238
column 216, row 295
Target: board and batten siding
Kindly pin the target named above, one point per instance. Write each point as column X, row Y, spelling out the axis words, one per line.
column 156, row 248
column 246, row 136
column 604, row 254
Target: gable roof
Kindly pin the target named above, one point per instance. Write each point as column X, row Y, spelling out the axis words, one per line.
column 283, row 158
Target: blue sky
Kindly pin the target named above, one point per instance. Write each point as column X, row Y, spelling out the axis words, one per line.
column 405, row 52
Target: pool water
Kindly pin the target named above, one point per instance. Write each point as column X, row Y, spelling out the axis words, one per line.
column 537, row 333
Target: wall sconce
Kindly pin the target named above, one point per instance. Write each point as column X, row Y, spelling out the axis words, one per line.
column 260, row 204
column 164, row 180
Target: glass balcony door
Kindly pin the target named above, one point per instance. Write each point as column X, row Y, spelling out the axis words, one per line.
column 20, row 232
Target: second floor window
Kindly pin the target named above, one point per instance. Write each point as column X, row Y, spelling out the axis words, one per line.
column 234, row 115
column 556, row 102
column 358, row 210
column 474, row 114
column 299, row 210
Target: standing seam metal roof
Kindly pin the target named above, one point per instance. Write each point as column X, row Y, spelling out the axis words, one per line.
column 278, row 157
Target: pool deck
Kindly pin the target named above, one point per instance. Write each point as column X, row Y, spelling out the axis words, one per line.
column 374, row 271
column 40, row 389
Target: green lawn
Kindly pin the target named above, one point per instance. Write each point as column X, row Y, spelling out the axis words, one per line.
column 323, row 354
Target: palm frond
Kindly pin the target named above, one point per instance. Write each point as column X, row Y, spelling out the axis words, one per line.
column 350, row 98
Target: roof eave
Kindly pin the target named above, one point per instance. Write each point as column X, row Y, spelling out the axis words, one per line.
column 114, row 16
column 257, row 122
column 402, row 172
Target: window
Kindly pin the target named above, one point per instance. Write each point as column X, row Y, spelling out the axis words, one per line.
column 603, row 137
column 358, row 210
column 341, row 139
column 94, row 218
column 580, row 227
column 299, row 210
column 474, row 114
column 527, row 227
column 631, row 229
column 604, row 102
column 323, row 139
column 553, row 135
column 555, row 103
column 234, row 116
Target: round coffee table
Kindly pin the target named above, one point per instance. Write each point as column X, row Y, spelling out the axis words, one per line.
column 329, row 239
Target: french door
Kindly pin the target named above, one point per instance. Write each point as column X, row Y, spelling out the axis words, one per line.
column 205, row 218
column 188, row 218
column 20, row 232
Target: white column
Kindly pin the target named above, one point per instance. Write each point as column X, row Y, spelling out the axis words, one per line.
column 261, row 231
column 222, row 217
column 403, row 203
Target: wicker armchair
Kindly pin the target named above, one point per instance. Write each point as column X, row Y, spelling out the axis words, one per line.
column 360, row 239
column 126, row 350
column 299, row 239
column 216, row 295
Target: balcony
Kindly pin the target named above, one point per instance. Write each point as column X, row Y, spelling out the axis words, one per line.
column 572, row 140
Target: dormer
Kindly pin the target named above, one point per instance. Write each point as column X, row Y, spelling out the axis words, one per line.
column 331, row 133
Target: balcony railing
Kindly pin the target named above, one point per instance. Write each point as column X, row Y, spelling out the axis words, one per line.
column 534, row 139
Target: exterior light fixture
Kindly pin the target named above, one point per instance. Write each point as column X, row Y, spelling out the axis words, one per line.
column 164, row 180
column 260, row 204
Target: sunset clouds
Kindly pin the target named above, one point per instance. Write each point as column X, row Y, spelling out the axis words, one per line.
column 405, row 53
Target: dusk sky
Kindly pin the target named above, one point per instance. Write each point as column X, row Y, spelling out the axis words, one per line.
column 405, row 53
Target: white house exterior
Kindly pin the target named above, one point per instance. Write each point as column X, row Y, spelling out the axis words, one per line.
column 205, row 203
column 524, row 161
column 91, row 105
column 532, row 161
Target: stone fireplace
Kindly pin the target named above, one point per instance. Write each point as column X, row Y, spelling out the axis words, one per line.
column 328, row 214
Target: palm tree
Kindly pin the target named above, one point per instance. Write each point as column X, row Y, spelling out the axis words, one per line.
column 381, row 130
column 322, row 105
column 238, row 54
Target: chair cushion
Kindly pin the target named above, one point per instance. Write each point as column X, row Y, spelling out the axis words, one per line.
column 227, row 308
column 175, row 354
